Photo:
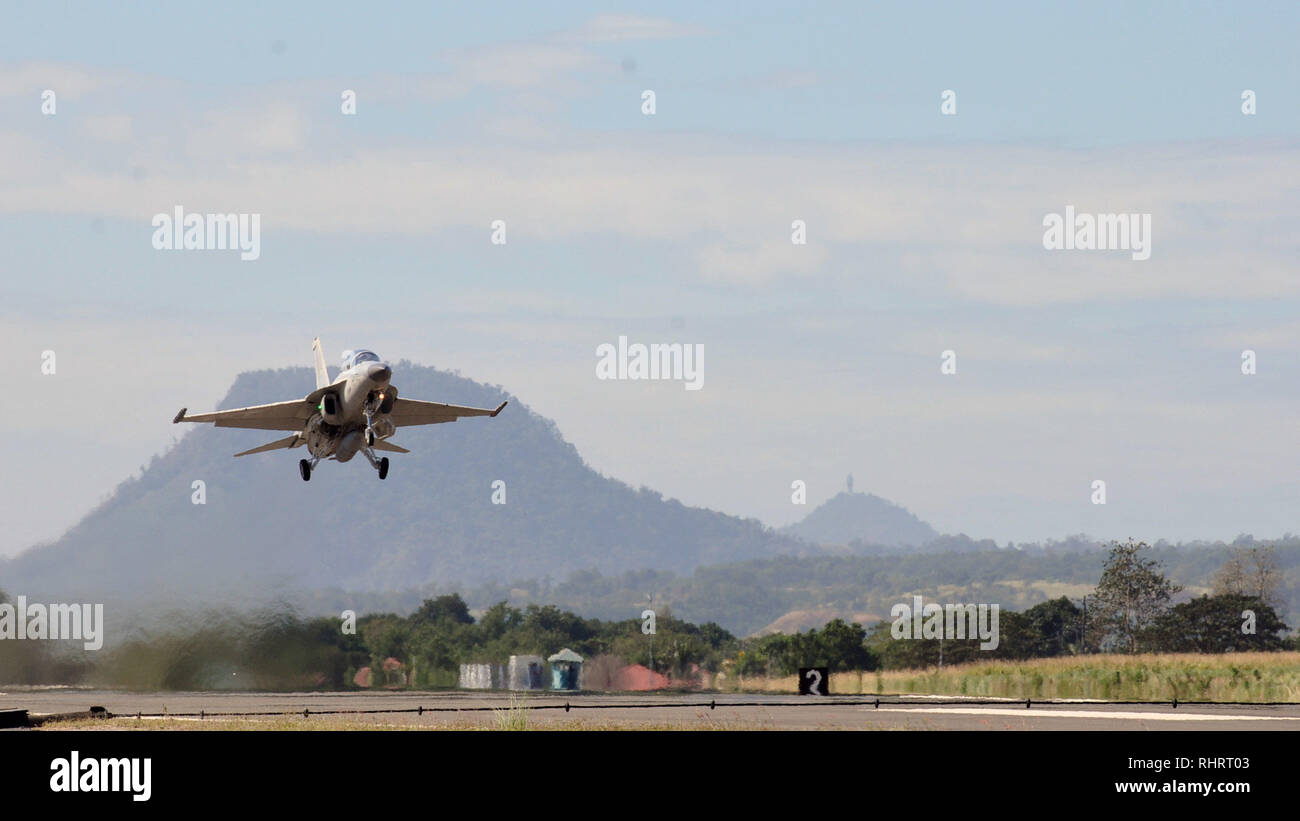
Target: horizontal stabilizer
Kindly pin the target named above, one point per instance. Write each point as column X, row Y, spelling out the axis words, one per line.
column 279, row 444
column 381, row 444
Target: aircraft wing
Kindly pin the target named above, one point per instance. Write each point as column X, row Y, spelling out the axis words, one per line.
column 292, row 415
column 414, row 412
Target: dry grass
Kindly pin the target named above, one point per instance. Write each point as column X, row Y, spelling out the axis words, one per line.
column 514, row 717
column 1230, row 677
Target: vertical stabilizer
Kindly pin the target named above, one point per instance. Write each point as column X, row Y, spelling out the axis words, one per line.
column 322, row 373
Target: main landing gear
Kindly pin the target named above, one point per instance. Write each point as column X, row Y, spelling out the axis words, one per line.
column 380, row 465
column 305, row 468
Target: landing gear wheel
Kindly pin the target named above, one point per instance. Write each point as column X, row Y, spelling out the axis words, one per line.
column 370, row 437
column 304, row 469
column 383, row 468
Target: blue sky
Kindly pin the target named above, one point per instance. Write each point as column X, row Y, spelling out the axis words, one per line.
column 1080, row 73
column 925, row 235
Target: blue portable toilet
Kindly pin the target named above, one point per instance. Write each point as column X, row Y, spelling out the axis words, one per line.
column 566, row 669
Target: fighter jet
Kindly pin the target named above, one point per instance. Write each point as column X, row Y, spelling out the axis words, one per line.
column 356, row 412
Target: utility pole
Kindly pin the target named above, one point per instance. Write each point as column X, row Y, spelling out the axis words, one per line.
column 1083, row 635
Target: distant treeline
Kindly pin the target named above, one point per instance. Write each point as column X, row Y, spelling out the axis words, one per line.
column 1130, row 610
column 277, row 650
column 744, row 597
column 1209, row 624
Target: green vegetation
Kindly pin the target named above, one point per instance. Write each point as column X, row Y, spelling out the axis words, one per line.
column 1130, row 611
column 746, row 597
column 275, row 650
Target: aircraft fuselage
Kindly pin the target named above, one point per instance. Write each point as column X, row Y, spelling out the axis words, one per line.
column 339, row 425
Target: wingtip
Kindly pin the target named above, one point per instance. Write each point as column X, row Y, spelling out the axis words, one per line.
column 500, row 408
column 180, row 416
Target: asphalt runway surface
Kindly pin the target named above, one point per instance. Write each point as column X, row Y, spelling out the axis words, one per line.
column 676, row 710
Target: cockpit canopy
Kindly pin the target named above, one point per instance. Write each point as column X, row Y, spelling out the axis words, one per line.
column 353, row 358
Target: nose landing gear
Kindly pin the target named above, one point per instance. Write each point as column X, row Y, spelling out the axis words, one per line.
column 383, row 468
column 369, row 411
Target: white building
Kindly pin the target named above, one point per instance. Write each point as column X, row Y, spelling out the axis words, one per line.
column 526, row 673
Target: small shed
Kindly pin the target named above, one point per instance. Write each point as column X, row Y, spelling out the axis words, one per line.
column 525, row 673
column 475, row 677
column 566, row 667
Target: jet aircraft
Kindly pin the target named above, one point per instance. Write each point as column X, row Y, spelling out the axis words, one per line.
column 355, row 412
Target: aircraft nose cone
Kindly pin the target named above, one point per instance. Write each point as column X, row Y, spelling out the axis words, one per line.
column 381, row 374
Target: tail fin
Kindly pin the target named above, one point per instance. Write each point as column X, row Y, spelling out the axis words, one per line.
column 322, row 373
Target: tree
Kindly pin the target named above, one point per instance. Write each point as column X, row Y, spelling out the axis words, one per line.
column 1131, row 595
column 385, row 635
column 1251, row 571
column 1054, row 627
column 1217, row 624
column 443, row 608
column 1049, row 628
column 499, row 619
column 716, row 637
column 842, row 646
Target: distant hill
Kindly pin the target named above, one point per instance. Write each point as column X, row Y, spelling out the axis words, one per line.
column 799, row 621
column 432, row 522
column 861, row 517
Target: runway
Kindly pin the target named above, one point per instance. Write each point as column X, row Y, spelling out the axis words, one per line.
column 467, row 710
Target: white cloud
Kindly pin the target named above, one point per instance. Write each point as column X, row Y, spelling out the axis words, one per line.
column 521, row 65
column 67, row 80
column 226, row 134
column 608, row 28
column 977, row 236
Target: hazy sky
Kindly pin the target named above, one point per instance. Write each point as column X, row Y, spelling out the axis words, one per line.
column 924, row 234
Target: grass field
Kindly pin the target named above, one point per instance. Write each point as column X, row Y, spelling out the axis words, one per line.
column 1232, row 677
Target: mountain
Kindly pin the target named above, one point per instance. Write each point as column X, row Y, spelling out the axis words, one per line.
column 432, row 522
column 861, row 517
